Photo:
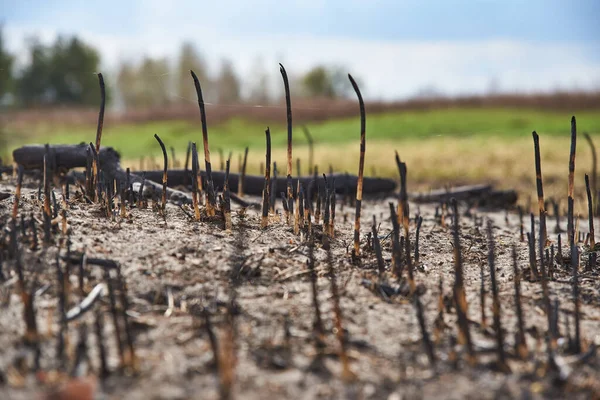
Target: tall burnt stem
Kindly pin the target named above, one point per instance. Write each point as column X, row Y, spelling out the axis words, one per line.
column 396, row 247
column 594, row 172
column 273, row 190
column 347, row 374
column 15, row 211
column 361, row 167
column 326, row 199
column 590, row 211
column 115, row 316
column 301, row 205
column 227, row 198
column 47, row 211
column 210, row 188
column 332, row 213
column 540, row 191
column 570, row 226
column 318, row 210
column 187, row 156
column 288, row 106
column 89, row 179
column 460, row 298
column 308, row 206
column 576, row 302
column 196, row 179
column 419, row 223
column 243, row 174
column 535, row 274
column 496, row 300
column 99, row 331
column 377, row 248
column 264, row 222
column 164, row 178
column 95, row 161
column 521, row 343
column 424, row 333
column 311, row 153
column 297, row 220
column 403, row 199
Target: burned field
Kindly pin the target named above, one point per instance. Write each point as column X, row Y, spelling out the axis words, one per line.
column 182, row 284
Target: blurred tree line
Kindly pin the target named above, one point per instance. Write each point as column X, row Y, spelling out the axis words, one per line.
column 64, row 73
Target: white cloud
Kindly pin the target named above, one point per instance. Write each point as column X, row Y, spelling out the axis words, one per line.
column 389, row 69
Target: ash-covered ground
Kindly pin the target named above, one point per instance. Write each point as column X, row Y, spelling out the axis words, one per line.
column 178, row 274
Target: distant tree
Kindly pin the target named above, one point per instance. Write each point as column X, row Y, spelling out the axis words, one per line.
column 63, row 73
column 323, row 81
column 228, row 84
column 72, row 75
column 6, row 64
column 317, row 82
column 190, row 59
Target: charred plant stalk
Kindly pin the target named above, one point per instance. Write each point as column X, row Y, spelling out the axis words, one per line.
column 187, row 156
column 288, row 105
column 570, row 226
column 521, row 343
column 419, row 223
column 535, row 274
column 196, row 179
column 540, row 190
column 95, row 164
column 243, row 174
column 590, row 212
column 226, row 198
column 210, row 190
column 377, row 248
column 15, row 210
column 164, row 178
column 460, row 299
column 496, row 301
column 273, row 191
column 402, row 203
column 361, row 166
column 594, row 171
column 332, row 213
column 266, row 190
column 396, row 247
column 575, row 274
column 47, row 211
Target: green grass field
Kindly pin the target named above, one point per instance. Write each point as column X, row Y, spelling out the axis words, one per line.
column 135, row 140
column 441, row 147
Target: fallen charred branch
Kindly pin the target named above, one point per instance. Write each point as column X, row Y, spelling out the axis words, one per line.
column 480, row 195
column 75, row 156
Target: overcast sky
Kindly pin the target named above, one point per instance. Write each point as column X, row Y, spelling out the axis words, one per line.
column 397, row 48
